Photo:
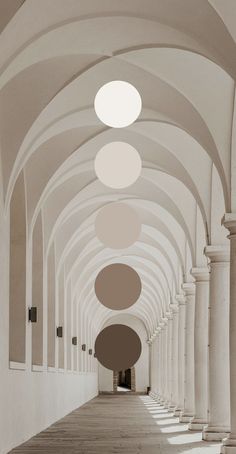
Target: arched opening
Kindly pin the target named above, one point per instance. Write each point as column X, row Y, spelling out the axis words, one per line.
column 51, row 307
column 17, row 296
column 37, row 293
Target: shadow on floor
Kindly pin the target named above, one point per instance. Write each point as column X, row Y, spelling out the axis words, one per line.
column 118, row 424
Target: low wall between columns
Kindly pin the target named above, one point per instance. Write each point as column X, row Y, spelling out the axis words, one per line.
column 32, row 401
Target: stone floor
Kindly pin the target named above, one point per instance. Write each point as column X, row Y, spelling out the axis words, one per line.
column 124, row 424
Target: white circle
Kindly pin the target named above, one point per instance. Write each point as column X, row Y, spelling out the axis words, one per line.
column 118, row 104
column 118, row 165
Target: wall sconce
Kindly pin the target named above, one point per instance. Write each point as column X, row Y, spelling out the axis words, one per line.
column 84, row 347
column 95, row 356
column 59, row 331
column 90, row 351
column 74, row 340
column 33, row 314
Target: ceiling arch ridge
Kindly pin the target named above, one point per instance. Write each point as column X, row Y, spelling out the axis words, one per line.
column 95, row 266
column 73, row 170
column 151, row 165
column 179, row 143
column 107, row 200
column 86, row 220
column 212, row 145
column 133, row 316
column 94, row 244
column 146, row 320
column 92, row 306
column 150, row 310
column 165, row 266
column 144, row 245
column 8, row 12
column 75, row 244
column 150, row 276
column 159, row 197
column 149, row 19
column 167, row 227
column 65, row 163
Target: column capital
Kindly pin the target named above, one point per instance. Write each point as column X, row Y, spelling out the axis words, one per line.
column 229, row 221
column 218, row 253
column 157, row 330
column 188, row 288
column 169, row 315
column 164, row 321
column 201, row 274
column 174, row 307
column 181, row 299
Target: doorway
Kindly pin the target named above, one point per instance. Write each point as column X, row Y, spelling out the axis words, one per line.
column 124, row 381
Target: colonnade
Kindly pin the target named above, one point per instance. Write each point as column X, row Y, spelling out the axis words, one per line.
column 193, row 371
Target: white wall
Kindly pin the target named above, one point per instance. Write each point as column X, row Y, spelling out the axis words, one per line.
column 31, row 401
column 141, row 367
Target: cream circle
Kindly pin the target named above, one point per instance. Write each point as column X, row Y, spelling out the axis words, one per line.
column 118, row 165
column 118, row 104
column 117, row 225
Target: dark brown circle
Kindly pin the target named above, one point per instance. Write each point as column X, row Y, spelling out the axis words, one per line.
column 118, row 286
column 118, row 347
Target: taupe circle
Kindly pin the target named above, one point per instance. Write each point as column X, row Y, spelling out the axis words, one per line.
column 117, row 225
column 118, row 286
column 118, row 347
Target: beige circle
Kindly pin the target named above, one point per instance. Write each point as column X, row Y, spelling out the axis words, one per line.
column 118, row 347
column 118, row 286
column 117, row 225
column 118, row 165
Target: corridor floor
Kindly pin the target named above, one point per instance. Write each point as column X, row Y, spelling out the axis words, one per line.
column 118, row 424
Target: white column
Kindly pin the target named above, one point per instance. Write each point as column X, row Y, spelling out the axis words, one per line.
column 159, row 364
column 157, row 341
column 154, row 359
column 169, row 316
column 201, row 276
column 181, row 348
column 164, row 360
column 174, row 357
column 229, row 445
column 189, row 404
column 218, row 375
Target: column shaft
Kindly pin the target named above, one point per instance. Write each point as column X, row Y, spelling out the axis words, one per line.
column 188, row 410
column 201, row 348
column 229, row 444
column 164, row 350
column 218, row 378
column 174, row 357
column 181, row 349
column 169, row 359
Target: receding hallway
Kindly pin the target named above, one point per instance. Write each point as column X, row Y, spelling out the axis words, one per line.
column 119, row 424
column 118, row 226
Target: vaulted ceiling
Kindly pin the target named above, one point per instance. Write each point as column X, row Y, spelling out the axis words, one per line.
column 181, row 56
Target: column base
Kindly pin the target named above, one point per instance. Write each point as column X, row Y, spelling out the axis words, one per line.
column 214, row 433
column 197, row 424
column 229, row 445
column 153, row 395
column 171, row 408
column 185, row 417
column 177, row 411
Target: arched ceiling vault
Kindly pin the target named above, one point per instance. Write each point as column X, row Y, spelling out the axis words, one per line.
column 181, row 58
